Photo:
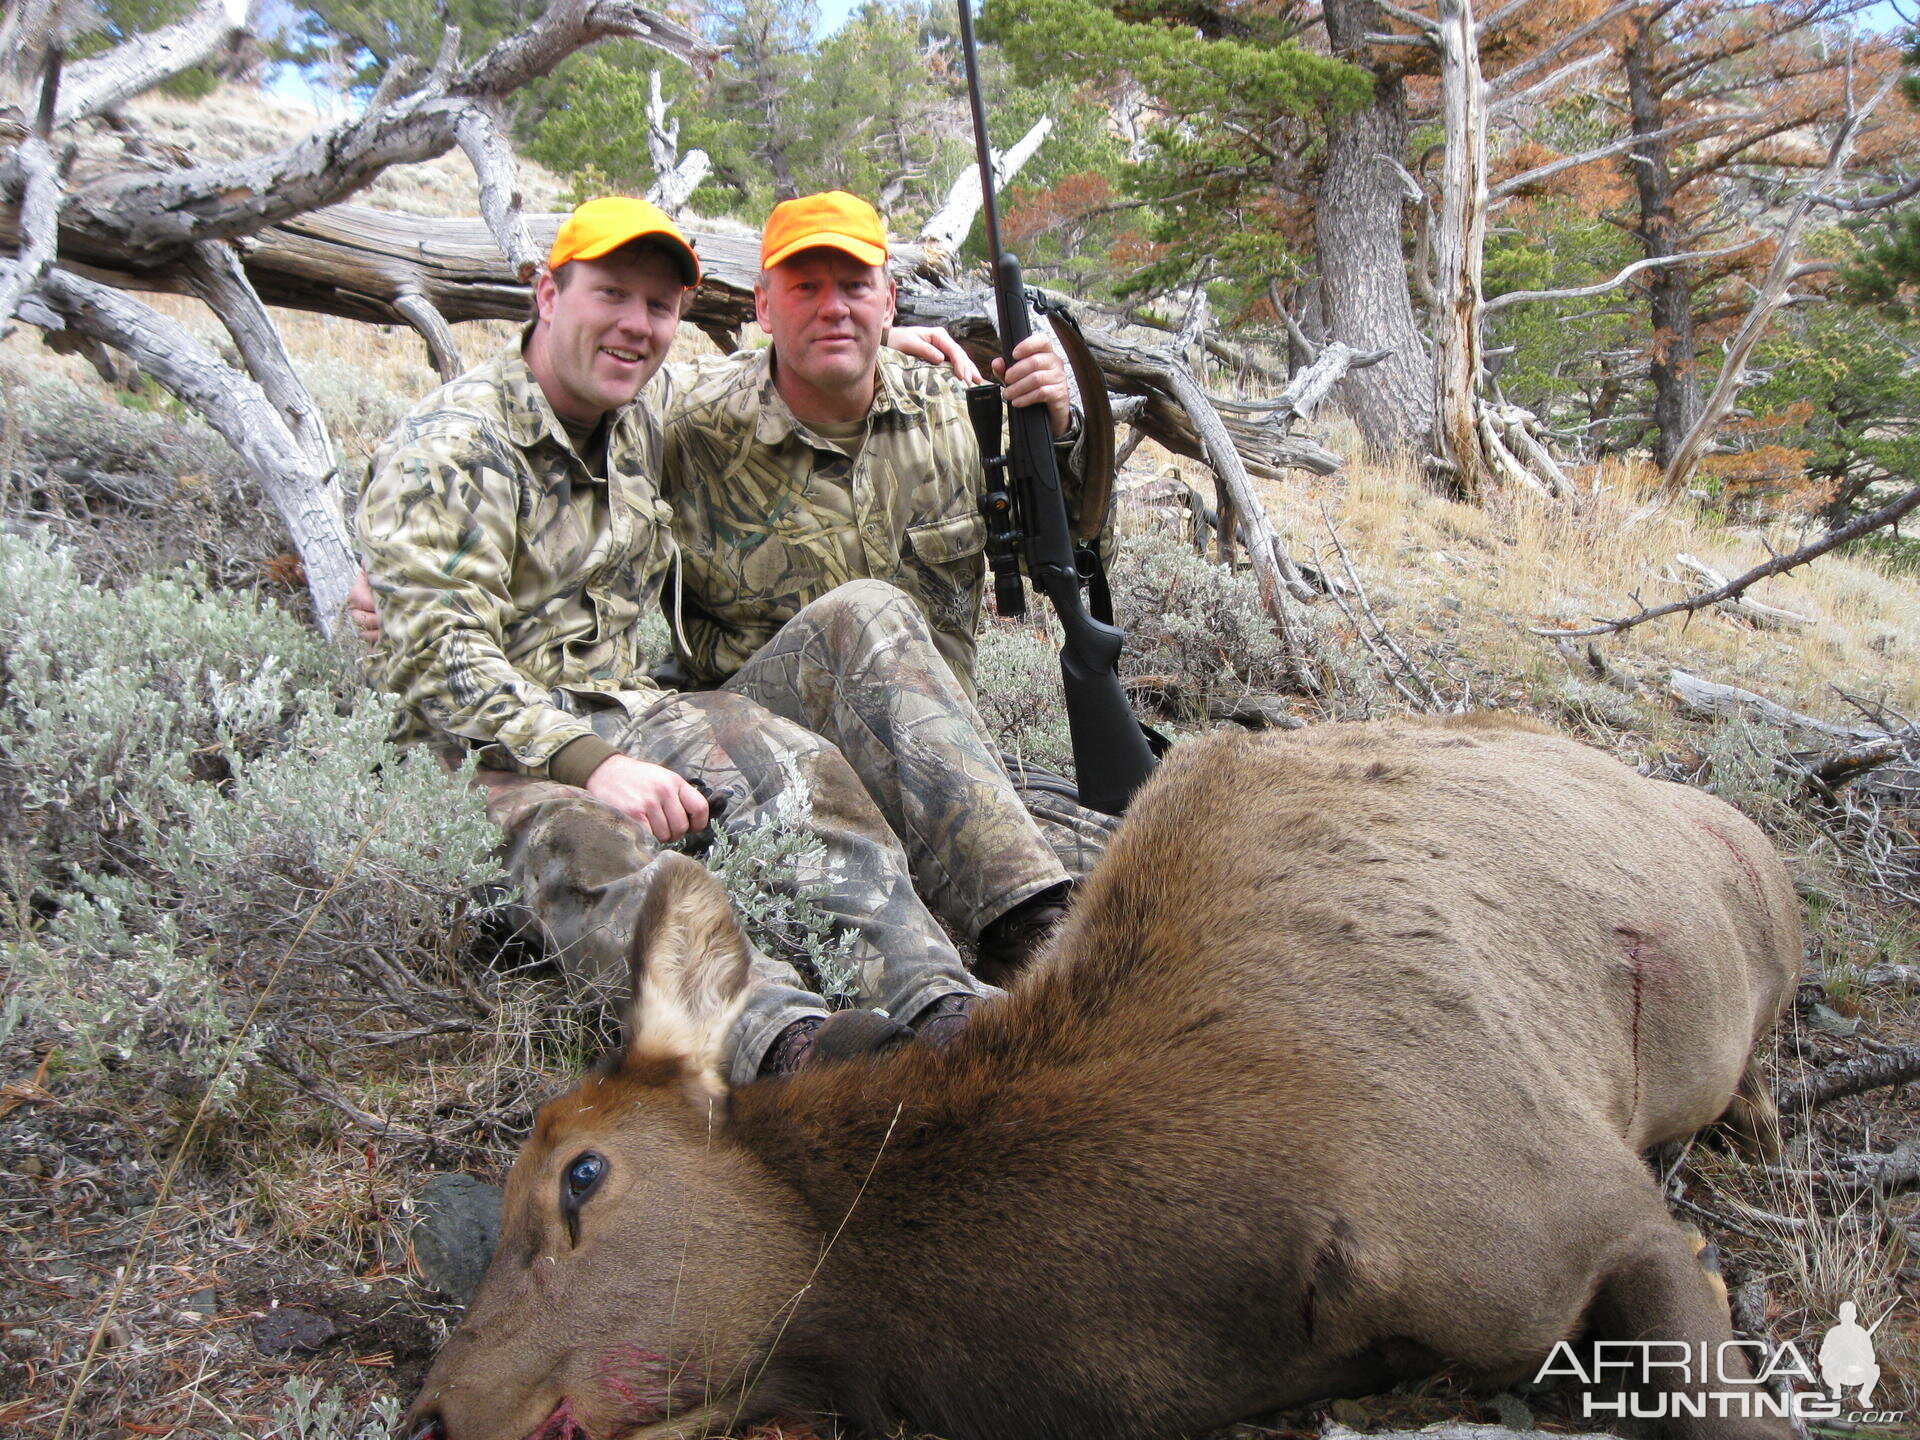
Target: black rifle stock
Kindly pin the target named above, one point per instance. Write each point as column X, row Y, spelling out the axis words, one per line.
column 1025, row 505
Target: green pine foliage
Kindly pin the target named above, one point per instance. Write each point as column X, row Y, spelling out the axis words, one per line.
column 1228, row 110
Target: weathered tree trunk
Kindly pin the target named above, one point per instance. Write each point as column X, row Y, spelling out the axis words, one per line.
column 1675, row 367
column 1363, row 266
column 1461, row 247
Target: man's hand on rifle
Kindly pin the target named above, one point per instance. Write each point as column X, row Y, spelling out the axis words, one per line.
column 1038, row 377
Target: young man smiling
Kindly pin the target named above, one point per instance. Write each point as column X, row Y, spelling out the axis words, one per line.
column 513, row 530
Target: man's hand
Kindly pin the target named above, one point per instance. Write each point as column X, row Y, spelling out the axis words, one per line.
column 366, row 619
column 650, row 794
column 937, row 347
column 1038, row 377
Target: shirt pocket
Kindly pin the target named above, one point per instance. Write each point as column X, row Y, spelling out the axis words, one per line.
column 941, row 542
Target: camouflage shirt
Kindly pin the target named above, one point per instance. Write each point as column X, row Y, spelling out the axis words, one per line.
column 509, row 577
column 771, row 514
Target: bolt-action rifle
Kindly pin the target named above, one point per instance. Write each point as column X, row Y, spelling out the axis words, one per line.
column 1026, row 516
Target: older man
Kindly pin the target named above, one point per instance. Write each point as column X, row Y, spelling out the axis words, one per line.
column 824, row 458
column 514, row 532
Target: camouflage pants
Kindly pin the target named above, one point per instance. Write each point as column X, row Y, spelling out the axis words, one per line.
column 849, row 726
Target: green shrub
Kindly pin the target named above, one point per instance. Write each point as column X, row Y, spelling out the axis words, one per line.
column 1018, row 672
column 777, row 875
column 1195, row 625
column 310, row 1412
column 202, row 797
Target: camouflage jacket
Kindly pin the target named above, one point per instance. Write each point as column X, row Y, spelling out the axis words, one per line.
column 509, row 578
column 771, row 515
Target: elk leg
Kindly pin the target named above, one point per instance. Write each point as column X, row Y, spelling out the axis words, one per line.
column 1751, row 1120
column 1658, row 1291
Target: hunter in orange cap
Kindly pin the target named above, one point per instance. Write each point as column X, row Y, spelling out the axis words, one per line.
column 834, row 219
column 601, row 226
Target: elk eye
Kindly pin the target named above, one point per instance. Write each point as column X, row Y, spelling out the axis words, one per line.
column 583, row 1174
column 576, row 1184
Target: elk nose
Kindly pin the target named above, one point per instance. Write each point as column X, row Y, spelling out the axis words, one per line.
column 427, row 1427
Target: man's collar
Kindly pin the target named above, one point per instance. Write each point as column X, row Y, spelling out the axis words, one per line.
column 530, row 415
column 777, row 420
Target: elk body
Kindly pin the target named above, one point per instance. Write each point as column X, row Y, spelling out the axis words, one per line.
column 1339, row 1073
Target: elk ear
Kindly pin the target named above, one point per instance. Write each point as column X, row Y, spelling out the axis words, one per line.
column 690, row 961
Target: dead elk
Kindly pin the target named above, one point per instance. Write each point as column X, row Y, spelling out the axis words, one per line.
column 1340, row 1073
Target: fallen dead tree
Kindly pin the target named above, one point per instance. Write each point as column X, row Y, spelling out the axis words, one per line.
column 137, row 220
column 1896, row 1066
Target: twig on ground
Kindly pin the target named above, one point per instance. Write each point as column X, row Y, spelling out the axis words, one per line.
column 310, row 1083
column 1896, row 1066
column 1414, row 687
column 1880, row 519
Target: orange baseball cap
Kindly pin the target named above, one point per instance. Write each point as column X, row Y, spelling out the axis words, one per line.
column 835, row 219
column 601, row 226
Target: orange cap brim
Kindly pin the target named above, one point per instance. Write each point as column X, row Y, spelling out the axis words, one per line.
column 865, row 251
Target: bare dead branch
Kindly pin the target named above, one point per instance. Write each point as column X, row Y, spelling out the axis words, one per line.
column 1400, row 671
column 1425, row 24
column 1732, row 379
column 1513, row 184
column 1840, row 767
column 222, row 283
column 1272, row 569
column 1581, row 292
column 1502, row 104
column 442, row 349
column 1310, row 387
column 142, row 216
column 1741, row 607
column 1710, row 698
column 1885, row 516
column 1887, row 201
column 947, row 227
column 1886, row 1170
column 233, row 404
column 1507, row 80
column 40, row 202
column 305, row 1080
column 1897, row 1066
column 500, row 200
column 144, row 61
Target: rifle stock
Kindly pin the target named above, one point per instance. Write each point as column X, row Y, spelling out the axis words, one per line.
column 1111, row 754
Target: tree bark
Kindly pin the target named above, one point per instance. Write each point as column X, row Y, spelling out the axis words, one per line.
column 1461, row 247
column 1675, row 366
column 1363, row 266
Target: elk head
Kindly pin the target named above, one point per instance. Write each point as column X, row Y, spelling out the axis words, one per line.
column 645, row 1267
